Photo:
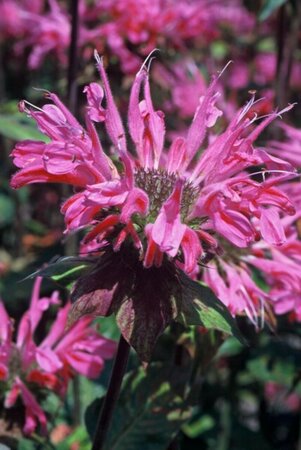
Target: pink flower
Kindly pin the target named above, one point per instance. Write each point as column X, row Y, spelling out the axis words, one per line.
column 238, row 75
column 165, row 201
column 290, row 147
column 281, row 397
column 146, row 25
column 50, row 364
column 282, row 274
column 34, row 414
column 265, row 69
column 232, row 283
column 47, row 32
column 129, row 29
column 80, row 349
column 14, row 16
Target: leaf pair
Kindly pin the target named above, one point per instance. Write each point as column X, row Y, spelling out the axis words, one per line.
column 145, row 301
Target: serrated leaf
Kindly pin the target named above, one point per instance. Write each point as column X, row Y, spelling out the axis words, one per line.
column 154, row 303
column 145, row 301
column 149, row 412
column 65, row 270
column 19, row 128
column 269, row 7
column 200, row 306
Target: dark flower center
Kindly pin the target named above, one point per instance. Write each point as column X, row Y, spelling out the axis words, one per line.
column 158, row 185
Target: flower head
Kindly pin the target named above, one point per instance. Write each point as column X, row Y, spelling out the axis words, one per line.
column 177, row 204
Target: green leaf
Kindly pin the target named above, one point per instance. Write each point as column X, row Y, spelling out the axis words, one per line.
column 199, row 426
column 78, row 437
column 149, row 412
column 219, row 49
column 146, row 301
column 269, row 7
column 19, row 127
column 65, row 271
column 200, row 306
column 230, row 347
column 280, row 372
column 108, row 327
column 26, row 444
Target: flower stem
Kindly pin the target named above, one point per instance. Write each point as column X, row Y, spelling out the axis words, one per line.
column 73, row 56
column 289, row 21
column 71, row 244
column 174, row 445
column 112, row 395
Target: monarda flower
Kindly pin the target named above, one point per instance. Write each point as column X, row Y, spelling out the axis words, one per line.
column 28, row 370
column 153, row 213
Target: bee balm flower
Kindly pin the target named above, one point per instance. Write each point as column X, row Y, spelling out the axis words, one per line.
column 29, row 369
column 174, row 202
column 170, row 205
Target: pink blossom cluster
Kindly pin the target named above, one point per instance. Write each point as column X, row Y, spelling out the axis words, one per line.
column 120, row 25
column 194, row 202
column 281, row 397
column 265, row 67
column 260, row 71
column 29, row 369
column 40, row 29
column 166, row 24
column 282, row 268
column 14, row 15
column 278, row 266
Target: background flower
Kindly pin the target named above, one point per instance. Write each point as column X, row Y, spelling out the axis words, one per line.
column 31, row 369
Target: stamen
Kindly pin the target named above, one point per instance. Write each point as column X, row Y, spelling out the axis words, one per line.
column 33, row 106
column 98, row 58
column 147, row 60
column 41, row 90
column 267, row 171
column 225, row 68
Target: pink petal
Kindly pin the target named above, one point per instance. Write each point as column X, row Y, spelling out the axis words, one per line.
column 112, row 121
column 135, row 120
column 5, row 325
column 95, row 95
column 271, row 227
column 168, row 231
column 176, row 155
column 205, row 116
column 136, row 202
column 234, row 226
column 33, row 411
column 85, row 364
column 48, row 359
column 192, row 250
